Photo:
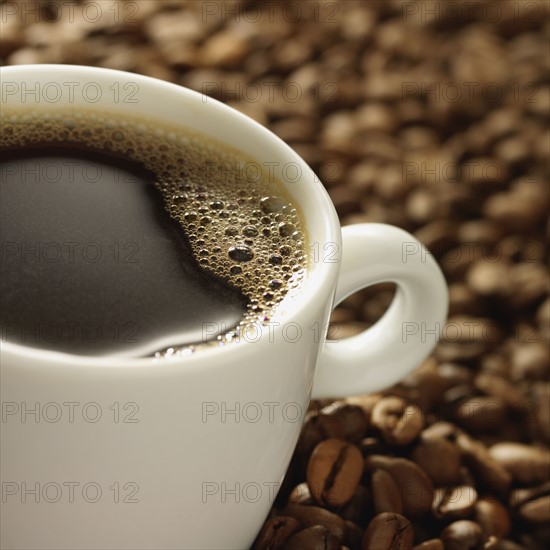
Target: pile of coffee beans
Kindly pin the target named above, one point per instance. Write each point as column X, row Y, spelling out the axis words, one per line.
column 429, row 115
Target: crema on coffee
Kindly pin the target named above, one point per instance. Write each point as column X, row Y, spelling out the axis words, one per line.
column 123, row 236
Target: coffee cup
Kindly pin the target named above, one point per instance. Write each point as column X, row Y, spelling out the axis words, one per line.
column 188, row 451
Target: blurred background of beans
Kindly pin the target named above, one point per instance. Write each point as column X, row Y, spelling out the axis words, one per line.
column 430, row 115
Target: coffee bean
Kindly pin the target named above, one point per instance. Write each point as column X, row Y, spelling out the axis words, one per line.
column 398, row 422
column 484, row 172
column 492, row 517
column 462, row 535
column 334, row 471
column 421, row 205
column 388, row 531
column 488, row 278
column 308, row 516
column 425, row 385
column 439, row 458
column 316, row 537
column 462, row 300
column 480, row 413
column 483, row 232
column 499, row 387
column 343, row 421
column 377, row 117
column 536, row 511
column 528, row 284
column 513, row 210
column 439, row 236
column 386, row 496
column 530, row 361
column 482, row 465
column 415, row 486
column 454, row 502
column 519, row 497
column 455, row 374
column 275, row 532
column 310, row 436
column 528, row 465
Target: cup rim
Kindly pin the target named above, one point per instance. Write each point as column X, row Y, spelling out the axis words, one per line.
column 320, row 280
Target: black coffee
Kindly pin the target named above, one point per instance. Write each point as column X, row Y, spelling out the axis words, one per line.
column 120, row 237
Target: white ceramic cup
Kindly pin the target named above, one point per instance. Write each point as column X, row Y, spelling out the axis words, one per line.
column 109, row 453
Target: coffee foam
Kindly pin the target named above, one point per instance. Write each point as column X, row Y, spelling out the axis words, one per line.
column 241, row 224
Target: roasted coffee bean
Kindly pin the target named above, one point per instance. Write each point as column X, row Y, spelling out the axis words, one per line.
column 415, row 486
column 533, row 505
column 439, row 458
column 527, row 465
column 484, row 467
column 386, row 496
column 397, row 422
column 308, row 516
column 536, row 511
column 530, row 361
column 462, row 535
column 334, row 471
column 480, row 413
column 454, row 502
column 316, row 537
column 500, row 388
column 388, row 531
column 425, row 385
column 492, row 517
column 311, row 435
column 342, row 421
column 275, row 532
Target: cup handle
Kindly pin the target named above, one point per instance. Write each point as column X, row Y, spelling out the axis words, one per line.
column 408, row 331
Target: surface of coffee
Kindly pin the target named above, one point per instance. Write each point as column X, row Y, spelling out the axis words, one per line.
column 122, row 237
